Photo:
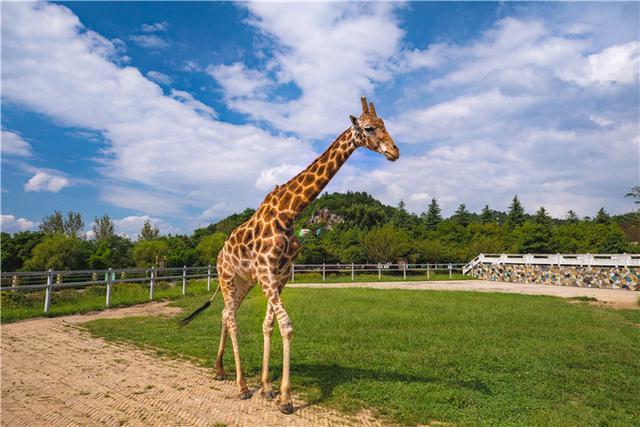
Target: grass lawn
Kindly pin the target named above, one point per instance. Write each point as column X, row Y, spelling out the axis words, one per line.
column 418, row 356
column 19, row 305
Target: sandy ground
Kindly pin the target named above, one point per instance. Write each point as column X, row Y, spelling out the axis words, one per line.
column 56, row 374
column 612, row 298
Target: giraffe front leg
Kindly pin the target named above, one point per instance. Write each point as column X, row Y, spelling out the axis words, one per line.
column 267, row 331
column 232, row 328
column 286, row 331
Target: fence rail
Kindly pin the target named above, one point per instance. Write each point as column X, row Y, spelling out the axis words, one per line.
column 583, row 260
column 53, row 280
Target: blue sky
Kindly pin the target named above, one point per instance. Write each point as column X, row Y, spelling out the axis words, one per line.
column 185, row 113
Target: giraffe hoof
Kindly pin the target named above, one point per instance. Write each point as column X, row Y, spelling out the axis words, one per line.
column 287, row 408
column 220, row 377
column 245, row 395
column 270, row 394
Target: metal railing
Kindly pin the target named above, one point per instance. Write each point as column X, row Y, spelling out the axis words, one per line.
column 583, row 260
column 53, row 280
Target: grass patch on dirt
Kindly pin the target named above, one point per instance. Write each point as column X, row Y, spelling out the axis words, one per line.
column 414, row 356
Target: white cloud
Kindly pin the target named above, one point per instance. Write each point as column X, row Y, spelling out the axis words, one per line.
column 13, row 144
column 11, row 224
column 46, row 181
column 159, row 77
column 332, row 52
column 155, row 27
column 615, row 64
column 188, row 99
column 167, row 148
column 131, row 226
column 149, row 41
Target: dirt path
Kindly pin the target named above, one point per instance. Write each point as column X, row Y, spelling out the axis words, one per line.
column 55, row 374
column 611, row 298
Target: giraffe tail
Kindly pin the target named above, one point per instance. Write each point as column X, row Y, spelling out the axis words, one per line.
column 189, row 318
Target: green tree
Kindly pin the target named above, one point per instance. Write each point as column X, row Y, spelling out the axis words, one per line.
column 602, row 217
column 52, row 224
column 433, row 216
column 516, row 216
column 634, row 194
column 74, row 225
column 571, row 217
column 486, row 216
column 16, row 249
column 542, row 217
column 385, row 244
column 146, row 253
column 113, row 251
column 103, row 227
column 149, row 231
column 462, row 216
column 209, row 247
column 59, row 252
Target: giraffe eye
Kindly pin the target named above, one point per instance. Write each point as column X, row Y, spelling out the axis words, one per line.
column 369, row 129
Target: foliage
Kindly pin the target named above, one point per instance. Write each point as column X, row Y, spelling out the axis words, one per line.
column 149, row 231
column 103, row 228
column 59, row 252
column 111, row 251
column 385, row 244
column 433, row 216
column 16, row 248
column 209, row 247
column 147, row 253
column 516, row 215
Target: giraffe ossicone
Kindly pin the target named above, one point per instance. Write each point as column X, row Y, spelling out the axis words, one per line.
column 262, row 249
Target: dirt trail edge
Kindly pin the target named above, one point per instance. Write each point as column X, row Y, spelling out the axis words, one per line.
column 56, row 374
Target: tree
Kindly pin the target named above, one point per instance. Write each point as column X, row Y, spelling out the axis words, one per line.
column 486, row 216
column 147, row 253
column 542, row 217
column 74, row 225
column 52, row 224
column 385, row 244
column 462, row 216
column 103, row 228
column 515, row 217
column 602, row 217
column 634, row 194
column 149, row 231
column 113, row 251
column 433, row 216
column 59, row 252
column 16, row 249
column 209, row 247
column 571, row 217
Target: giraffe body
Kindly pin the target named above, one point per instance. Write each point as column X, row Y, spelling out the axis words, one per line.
column 264, row 247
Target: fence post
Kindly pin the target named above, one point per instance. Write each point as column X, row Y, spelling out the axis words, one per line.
column 353, row 272
column 450, row 273
column 404, row 271
column 379, row 272
column 323, row 272
column 47, row 294
column 293, row 272
column 184, row 280
column 151, row 283
column 108, row 302
column 209, row 277
column 428, row 272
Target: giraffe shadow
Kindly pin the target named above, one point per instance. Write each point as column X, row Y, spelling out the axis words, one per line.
column 326, row 377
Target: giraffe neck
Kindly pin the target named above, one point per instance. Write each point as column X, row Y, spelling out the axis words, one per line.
column 290, row 199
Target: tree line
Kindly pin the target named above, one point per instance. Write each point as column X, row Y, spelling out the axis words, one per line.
column 366, row 231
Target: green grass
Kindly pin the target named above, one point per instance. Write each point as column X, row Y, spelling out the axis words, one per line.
column 417, row 356
column 367, row 277
column 18, row 305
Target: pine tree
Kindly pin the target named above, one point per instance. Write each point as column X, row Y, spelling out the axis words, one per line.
column 542, row 217
column 602, row 217
column 148, row 232
column 515, row 217
column 462, row 216
column 74, row 225
column 103, row 227
column 52, row 224
column 571, row 217
column 486, row 216
column 433, row 216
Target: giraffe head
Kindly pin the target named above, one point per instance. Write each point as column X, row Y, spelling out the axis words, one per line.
column 371, row 133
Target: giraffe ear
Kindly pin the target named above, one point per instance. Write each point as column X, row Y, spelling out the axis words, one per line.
column 354, row 120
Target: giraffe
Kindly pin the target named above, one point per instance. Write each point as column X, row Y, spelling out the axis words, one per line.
column 263, row 248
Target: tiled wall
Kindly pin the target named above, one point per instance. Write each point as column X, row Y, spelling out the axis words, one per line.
column 566, row 275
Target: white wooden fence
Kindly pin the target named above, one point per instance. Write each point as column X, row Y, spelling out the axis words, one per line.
column 53, row 280
column 584, row 260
